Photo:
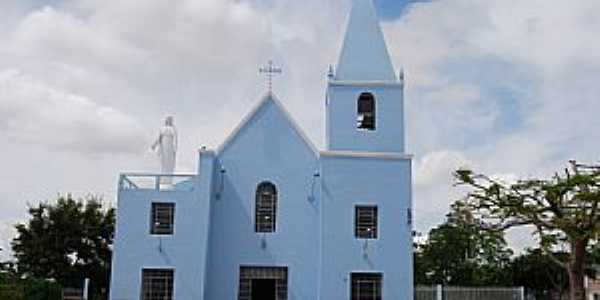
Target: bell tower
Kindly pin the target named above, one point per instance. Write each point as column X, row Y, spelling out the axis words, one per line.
column 365, row 105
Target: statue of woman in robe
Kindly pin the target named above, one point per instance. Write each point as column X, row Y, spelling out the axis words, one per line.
column 166, row 147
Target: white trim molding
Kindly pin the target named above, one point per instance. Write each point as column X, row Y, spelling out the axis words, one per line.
column 359, row 154
column 366, row 84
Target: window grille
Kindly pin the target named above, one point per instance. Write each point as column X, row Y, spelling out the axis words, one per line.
column 366, row 112
column 250, row 274
column 163, row 218
column 366, row 286
column 157, row 284
column 266, row 208
column 366, row 222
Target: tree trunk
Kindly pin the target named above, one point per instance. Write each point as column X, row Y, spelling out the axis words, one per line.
column 576, row 270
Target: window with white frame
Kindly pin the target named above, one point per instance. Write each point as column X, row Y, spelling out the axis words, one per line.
column 365, row 222
column 266, row 208
column 366, row 286
column 162, row 220
column 157, row 284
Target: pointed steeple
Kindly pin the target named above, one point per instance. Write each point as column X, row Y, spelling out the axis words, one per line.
column 364, row 54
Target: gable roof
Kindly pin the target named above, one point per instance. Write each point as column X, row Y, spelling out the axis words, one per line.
column 364, row 55
column 267, row 99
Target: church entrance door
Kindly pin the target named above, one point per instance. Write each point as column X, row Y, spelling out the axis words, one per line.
column 263, row 283
column 263, row 289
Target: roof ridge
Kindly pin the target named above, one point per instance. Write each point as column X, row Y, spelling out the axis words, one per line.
column 266, row 98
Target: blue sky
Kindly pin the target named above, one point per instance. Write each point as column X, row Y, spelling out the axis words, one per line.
column 392, row 9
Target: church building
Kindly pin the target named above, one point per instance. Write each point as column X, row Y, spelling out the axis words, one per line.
column 268, row 216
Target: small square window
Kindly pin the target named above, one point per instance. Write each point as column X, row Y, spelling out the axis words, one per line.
column 163, row 218
column 365, row 222
column 157, row 284
column 366, row 286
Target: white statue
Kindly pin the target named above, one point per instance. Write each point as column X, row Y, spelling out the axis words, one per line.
column 166, row 147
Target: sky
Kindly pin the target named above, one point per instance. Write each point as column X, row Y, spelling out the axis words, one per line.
column 507, row 87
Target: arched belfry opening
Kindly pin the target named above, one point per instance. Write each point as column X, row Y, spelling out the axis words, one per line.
column 366, row 115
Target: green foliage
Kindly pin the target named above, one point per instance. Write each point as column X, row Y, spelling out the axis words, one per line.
column 66, row 241
column 461, row 252
column 595, row 254
column 563, row 210
column 12, row 288
column 42, row 290
column 536, row 271
column 9, row 289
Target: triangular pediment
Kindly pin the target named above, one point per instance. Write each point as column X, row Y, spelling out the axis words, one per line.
column 269, row 114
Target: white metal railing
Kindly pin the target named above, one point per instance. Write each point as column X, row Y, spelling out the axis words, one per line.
column 468, row 293
column 158, row 182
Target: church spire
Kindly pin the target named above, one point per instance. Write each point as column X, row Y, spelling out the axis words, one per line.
column 364, row 54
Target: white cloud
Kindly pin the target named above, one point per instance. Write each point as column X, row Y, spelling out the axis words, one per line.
column 436, row 167
column 7, row 232
column 83, row 78
column 507, row 84
column 434, row 186
column 33, row 112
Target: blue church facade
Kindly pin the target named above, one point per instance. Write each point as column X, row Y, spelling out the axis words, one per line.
column 269, row 216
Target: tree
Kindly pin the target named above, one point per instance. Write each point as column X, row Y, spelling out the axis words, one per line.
column 460, row 252
column 595, row 255
column 535, row 271
column 564, row 209
column 66, row 241
column 14, row 288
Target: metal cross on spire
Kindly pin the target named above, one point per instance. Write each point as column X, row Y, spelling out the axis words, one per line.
column 270, row 70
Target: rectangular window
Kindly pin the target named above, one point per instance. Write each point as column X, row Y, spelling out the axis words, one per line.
column 157, row 284
column 365, row 222
column 163, row 218
column 366, row 286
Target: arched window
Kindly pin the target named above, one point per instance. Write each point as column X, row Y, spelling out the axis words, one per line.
column 266, row 207
column 365, row 119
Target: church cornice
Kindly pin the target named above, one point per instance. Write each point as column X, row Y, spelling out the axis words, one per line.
column 366, row 84
column 362, row 154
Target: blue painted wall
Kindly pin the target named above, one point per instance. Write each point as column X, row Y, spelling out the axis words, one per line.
column 135, row 248
column 382, row 181
column 267, row 149
column 317, row 195
column 342, row 102
column 185, row 251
